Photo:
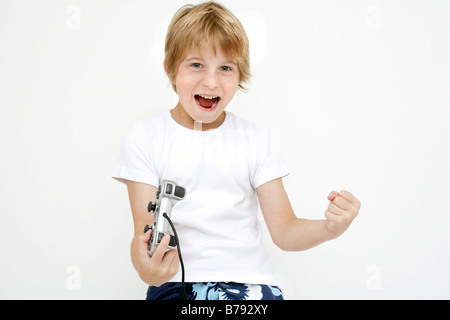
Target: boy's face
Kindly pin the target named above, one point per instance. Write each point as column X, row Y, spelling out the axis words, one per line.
column 206, row 82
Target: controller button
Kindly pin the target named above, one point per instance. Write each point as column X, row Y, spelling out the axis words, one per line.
column 158, row 192
column 169, row 188
column 179, row 192
column 172, row 242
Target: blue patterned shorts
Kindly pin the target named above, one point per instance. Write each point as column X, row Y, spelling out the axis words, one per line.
column 215, row 291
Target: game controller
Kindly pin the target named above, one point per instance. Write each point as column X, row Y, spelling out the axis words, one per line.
column 168, row 194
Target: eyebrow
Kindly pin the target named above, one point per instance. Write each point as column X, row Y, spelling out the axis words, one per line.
column 192, row 58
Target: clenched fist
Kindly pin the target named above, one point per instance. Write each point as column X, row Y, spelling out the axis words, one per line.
column 343, row 208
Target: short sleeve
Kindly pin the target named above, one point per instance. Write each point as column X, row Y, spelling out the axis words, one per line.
column 268, row 164
column 135, row 161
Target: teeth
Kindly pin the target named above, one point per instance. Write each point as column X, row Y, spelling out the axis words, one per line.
column 208, row 97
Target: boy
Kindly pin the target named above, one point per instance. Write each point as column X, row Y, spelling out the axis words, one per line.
column 226, row 165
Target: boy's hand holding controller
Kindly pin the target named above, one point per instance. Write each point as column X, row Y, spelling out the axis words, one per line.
column 160, row 262
column 161, row 266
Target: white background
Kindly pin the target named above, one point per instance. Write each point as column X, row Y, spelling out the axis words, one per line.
column 358, row 92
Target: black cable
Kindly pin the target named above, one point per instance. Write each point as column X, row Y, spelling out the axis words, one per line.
column 183, row 289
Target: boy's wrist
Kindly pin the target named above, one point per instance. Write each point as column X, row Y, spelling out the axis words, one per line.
column 331, row 231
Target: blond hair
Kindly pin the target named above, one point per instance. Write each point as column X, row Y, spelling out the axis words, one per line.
column 208, row 23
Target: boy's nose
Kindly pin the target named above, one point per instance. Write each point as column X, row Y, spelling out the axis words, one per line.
column 211, row 80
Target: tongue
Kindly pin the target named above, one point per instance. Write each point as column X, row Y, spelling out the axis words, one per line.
column 205, row 103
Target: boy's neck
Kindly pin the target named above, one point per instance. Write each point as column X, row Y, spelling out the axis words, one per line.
column 185, row 120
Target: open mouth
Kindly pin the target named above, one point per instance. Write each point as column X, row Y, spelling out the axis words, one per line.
column 207, row 102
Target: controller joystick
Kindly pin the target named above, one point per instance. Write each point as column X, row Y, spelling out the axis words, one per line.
column 151, row 207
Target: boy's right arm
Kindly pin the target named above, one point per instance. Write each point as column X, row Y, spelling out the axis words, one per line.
column 162, row 265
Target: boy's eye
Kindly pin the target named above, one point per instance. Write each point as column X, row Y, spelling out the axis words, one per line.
column 225, row 68
column 196, row 65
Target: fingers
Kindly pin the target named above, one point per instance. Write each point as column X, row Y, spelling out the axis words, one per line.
column 332, row 195
column 159, row 267
column 344, row 200
column 168, row 261
column 341, row 211
column 161, row 248
column 335, row 209
column 331, row 216
column 146, row 236
column 343, row 208
column 143, row 244
column 337, row 203
column 171, row 259
column 350, row 198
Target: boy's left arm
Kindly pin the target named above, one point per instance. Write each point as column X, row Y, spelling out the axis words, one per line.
column 293, row 234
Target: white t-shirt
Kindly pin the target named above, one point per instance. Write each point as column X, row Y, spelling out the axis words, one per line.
column 216, row 222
